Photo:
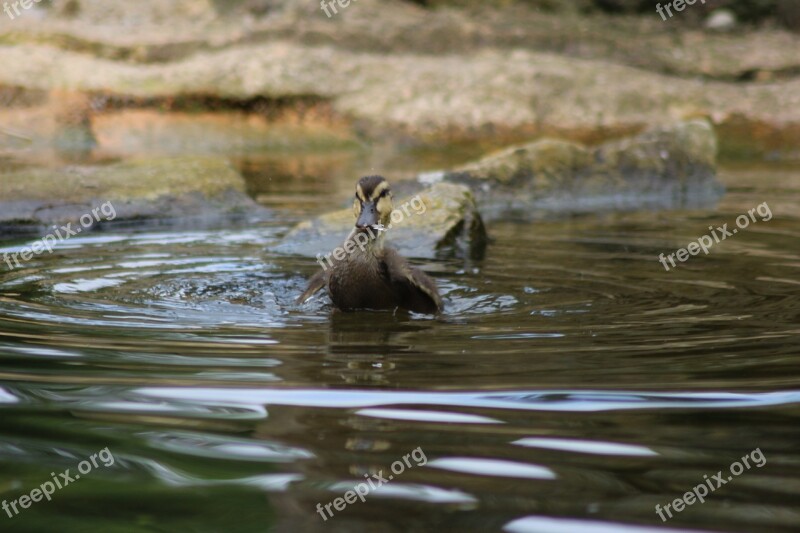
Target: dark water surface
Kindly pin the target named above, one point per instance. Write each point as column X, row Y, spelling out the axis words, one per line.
column 572, row 385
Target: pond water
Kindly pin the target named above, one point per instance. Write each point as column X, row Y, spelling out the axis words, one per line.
column 572, row 384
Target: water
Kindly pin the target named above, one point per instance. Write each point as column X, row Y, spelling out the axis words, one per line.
column 571, row 379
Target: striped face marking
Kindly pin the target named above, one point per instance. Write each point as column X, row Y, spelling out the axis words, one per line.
column 375, row 190
column 380, row 191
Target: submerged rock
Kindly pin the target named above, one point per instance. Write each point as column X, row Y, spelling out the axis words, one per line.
column 189, row 191
column 666, row 167
column 440, row 218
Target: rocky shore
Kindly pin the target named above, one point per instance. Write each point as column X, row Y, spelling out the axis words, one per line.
column 563, row 112
column 282, row 74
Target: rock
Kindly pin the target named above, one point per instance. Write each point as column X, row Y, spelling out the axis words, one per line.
column 188, row 191
column 74, row 123
column 721, row 20
column 666, row 167
column 441, row 218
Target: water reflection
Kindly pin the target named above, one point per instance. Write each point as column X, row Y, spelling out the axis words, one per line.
column 571, row 385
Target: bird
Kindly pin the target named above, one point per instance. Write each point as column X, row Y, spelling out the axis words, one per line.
column 372, row 275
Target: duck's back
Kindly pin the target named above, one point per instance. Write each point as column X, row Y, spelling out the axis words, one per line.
column 382, row 281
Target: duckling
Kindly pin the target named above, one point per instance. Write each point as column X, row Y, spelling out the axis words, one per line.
column 372, row 275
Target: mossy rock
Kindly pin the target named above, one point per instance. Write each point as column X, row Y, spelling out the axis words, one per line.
column 140, row 190
column 441, row 219
column 670, row 166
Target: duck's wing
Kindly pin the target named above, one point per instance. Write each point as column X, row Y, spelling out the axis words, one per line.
column 317, row 282
column 417, row 291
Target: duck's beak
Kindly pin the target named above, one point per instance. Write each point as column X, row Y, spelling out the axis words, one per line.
column 368, row 216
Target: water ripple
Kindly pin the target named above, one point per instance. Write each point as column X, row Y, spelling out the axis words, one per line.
column 524, row 400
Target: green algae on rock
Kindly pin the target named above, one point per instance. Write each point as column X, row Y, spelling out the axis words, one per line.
column 669, row 166
column 193, row 189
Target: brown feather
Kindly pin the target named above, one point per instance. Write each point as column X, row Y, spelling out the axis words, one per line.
column 414, row 289
column 317, row 282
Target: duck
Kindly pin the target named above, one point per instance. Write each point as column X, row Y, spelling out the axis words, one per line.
column 371, row 275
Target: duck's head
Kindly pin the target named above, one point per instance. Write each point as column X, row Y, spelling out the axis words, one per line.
column 373, row 204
